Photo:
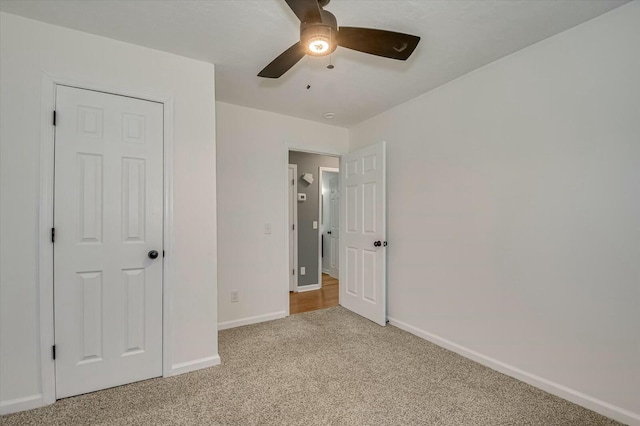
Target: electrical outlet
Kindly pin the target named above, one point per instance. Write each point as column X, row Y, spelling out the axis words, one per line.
column 315, row 224
column 303, row 270
column 235, row 296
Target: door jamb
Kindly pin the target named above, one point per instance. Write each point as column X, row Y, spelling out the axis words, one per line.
column 45, row 221
column 321, row 170
column 293, row 199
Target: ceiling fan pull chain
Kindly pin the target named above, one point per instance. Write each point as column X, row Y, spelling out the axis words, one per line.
column 330, row 66
column 308, row 73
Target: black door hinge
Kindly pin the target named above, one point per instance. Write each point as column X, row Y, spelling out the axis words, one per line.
column 293, row 272
column 293, row 182
column 53, row 235
column 54, row 118
column 293, row 226
column 162, row 253
column 53, row 351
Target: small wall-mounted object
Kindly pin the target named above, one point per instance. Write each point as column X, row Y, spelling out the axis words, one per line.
column 302, row 197
column 307, row 177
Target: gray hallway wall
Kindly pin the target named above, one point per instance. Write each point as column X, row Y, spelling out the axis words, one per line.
column 308, row 211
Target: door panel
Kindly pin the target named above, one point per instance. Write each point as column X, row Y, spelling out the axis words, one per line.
column 351, row 283
column 90, row 198
column 108, row 216
column 134, row 288
column 133, row 196
column 89, row 287
column 363, row 280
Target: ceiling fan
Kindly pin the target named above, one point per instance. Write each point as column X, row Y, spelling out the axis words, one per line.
column 320, row 36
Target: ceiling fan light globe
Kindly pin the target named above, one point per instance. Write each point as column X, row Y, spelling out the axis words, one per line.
column 318, row 47
column 319, row 39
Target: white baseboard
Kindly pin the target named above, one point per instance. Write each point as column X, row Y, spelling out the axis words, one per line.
column 599, row 406
column 36, row 401
column 196, row 364
column 21, row 404
column 302, row 288
column 251, row 320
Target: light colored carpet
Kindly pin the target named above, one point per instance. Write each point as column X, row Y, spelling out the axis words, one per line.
column 320, row 368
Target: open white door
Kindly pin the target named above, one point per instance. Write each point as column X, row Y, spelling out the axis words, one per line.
column 334, row 227
column 363, row 287
column 108, row 240
column 329, row 202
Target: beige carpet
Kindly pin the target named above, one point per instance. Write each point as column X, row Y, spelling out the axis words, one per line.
column 320, row 368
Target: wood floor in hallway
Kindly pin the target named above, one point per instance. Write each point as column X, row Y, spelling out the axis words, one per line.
column 326, row 297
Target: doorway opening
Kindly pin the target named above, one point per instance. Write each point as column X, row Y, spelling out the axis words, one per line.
column 314, row 227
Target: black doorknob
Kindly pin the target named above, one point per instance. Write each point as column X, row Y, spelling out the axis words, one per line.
column 377, row 243
column 153, row 254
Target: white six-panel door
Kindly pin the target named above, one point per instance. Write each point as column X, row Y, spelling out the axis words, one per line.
column 334, row 226
column 108, row 216
column 363, row 227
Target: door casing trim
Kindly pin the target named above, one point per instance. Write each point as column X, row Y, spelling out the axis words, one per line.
column 49, row 82
column 293, row 221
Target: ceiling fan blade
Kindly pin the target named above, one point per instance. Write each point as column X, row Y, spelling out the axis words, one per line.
column 306, row 10
column 284, row 62
column 388, row 44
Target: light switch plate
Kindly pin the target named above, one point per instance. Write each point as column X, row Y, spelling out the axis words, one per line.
column 315, row 224
column 303, row 270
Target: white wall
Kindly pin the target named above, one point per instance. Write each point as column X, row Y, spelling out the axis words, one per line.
column 514, row 212
column 29, row 48
column 252, row 171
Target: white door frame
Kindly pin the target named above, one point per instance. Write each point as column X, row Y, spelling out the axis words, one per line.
column 321, row 215
column 293, row 200
column 45, row 222
column 286, row 147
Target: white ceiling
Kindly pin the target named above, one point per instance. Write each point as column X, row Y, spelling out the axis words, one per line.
column 243, row 36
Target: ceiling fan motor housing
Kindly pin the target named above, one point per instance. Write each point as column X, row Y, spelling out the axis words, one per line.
column 320, row 32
